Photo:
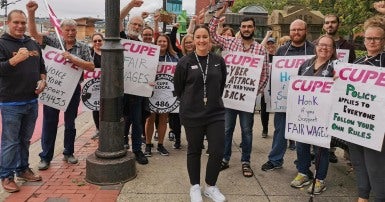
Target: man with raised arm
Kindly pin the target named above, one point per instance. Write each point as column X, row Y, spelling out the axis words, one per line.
column 245, row 44
column 77, row 53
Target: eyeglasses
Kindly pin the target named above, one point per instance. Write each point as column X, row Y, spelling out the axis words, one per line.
column 297, row 30
column 322, row 45
column 375, row 39
column 98, row 40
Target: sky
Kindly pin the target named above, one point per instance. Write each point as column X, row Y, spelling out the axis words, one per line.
column 90, row 8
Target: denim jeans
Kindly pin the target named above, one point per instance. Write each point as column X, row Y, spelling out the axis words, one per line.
column 304, row 160
column 135, row 116
column 279, row 145
column 18, row 125
column 50, row 125
column 246, row 120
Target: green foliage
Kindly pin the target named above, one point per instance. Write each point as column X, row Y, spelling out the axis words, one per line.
column 352, row 13
column 360, row 53
column 268, row 5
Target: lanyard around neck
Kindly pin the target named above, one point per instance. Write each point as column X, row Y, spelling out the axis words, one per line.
column 204, row 75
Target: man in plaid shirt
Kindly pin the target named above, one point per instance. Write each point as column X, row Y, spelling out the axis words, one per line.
column 245, row 44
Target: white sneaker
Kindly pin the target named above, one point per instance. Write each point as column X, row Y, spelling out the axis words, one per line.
column 195, row 193
column 214, row 193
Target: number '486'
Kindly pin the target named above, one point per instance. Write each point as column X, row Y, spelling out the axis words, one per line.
column 162, row 104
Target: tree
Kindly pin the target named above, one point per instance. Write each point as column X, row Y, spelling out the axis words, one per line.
column 352, row 13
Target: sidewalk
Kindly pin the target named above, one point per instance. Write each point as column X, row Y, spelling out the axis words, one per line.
column 165, row 178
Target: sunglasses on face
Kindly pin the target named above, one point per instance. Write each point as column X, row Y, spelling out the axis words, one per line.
column 98, row 40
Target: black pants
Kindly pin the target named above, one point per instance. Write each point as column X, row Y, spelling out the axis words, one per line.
column 215, row 133
column 264, row 115
column 174, row 124
column 95, row 116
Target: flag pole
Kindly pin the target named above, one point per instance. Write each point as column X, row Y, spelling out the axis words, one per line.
column 56, row 31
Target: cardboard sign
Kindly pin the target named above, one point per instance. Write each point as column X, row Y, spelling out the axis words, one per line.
column 343, row 55
column 140, row 64
column 308, row 109
column 62, row 79
column 163, row 99
column 90, row 94
column 358, row 105
column 243, row 75
column 283, row 67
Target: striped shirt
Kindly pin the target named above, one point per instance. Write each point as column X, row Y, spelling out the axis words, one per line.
column 235, row 44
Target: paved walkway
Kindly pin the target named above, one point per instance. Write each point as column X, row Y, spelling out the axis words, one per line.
column 166, row 178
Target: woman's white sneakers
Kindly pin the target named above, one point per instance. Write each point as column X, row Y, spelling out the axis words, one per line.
column 210, row 191
column 214, row 193
column 196, row 193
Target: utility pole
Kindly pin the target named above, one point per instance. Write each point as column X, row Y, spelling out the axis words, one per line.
column 111, row 163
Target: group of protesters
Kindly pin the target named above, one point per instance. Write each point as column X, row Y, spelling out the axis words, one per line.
column 199, row 85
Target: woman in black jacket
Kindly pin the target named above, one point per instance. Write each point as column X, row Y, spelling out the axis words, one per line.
column 199, row 82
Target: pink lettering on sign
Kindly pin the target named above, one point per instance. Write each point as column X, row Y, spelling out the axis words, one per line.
column 341, row 55
column 138, row 48
column 289, row 63
column 242, row 60
column 163, row 69
column 363, row 76
column 58, row 58
column 305, row 85
column 92, row 75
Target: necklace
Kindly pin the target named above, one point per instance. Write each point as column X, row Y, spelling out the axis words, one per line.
column 246, row 49
column 204, row 75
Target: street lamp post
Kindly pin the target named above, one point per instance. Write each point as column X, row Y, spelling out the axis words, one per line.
column 111, row 163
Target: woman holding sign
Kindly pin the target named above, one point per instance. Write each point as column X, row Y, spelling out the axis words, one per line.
column 321, row 65
column 199, row 82
column 368, row 164
column 167, row 54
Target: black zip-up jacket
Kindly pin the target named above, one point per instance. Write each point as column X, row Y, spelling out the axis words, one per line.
column 188, row 85
column 18, row 84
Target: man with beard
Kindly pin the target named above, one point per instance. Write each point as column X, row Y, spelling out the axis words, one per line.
column 297, row 46
column 245, row 44
column 133, row 105
column 331, row 25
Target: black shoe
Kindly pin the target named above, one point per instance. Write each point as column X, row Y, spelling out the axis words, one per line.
column 171, row 136
column 292, row 146
column 162, row 151
column 270, row 166
column 264, row 134
column 147, row 150
column 177, row 145
column 332, row 157
column 43, row 165
column 224, row 165
column 141, row 158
